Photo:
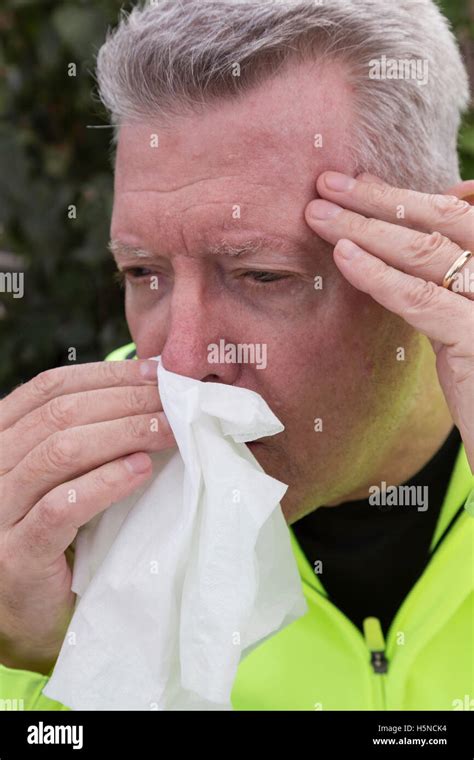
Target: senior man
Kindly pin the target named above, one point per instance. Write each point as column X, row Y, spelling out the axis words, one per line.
column 285, row 178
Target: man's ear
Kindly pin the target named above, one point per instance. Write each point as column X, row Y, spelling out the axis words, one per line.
column 463, row 190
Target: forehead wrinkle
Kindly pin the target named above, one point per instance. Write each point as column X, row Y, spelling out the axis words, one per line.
column 252, row 245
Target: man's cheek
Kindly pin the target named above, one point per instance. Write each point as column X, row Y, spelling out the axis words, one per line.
column 148, row 332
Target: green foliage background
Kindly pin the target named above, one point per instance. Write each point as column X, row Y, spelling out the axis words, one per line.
column 50, row 159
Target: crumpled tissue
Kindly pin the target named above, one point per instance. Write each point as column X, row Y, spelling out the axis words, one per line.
column 177, row 583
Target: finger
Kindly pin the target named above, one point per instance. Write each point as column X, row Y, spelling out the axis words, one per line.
column 74, row 410
column 447, row 214
column 69, row 453
column 437, row 313
column 61, row 381
column 50, row 527
column 366, row 177
column 428, row 256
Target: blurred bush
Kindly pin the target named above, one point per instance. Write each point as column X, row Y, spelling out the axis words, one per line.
column 49, row 161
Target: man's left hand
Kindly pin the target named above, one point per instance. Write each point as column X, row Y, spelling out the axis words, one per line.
column 397, row 246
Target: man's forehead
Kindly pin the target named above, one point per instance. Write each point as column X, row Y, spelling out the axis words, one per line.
column 287, row 130
column 245, row 165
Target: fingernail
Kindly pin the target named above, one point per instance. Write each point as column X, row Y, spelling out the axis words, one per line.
column 338, row 181
column 348, row 249
column 137, row 463
column 323, row 210
column 149, row 370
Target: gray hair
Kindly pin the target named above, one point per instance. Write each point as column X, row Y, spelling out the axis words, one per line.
column 171, row 58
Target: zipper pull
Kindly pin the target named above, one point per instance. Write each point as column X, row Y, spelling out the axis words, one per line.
column 376, row 644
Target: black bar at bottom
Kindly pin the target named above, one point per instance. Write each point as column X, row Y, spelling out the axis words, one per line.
column 423, row 734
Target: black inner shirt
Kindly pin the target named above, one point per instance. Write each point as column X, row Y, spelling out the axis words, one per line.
column 372, row 555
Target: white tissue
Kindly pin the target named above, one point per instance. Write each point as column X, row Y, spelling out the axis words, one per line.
column 181, row 580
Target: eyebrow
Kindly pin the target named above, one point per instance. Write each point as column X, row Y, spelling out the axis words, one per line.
column 223, row 248
column 118, row 248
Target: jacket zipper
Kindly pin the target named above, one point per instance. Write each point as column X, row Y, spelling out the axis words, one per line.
column 371, row 641
column 375, row 642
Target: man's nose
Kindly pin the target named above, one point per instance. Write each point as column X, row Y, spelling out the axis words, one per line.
column 196, row 324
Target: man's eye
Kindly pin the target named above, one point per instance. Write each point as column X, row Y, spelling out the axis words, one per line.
column 263, row 277
column 141, row 273
column 133, row 273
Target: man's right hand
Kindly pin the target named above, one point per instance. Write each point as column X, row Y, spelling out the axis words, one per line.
column 72, row 442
